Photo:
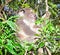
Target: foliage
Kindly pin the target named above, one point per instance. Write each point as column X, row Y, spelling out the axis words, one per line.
column 48, row 33
column 9, row 44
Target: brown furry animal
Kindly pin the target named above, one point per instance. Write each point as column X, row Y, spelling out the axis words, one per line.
column 26, row 24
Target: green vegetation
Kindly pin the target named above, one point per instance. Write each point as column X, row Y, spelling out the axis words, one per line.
column 49, row 32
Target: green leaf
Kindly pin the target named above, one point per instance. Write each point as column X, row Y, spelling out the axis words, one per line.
column 25, row 5
column 52, row 5
column 13, row 17
column 0, row 41
column 37, row 35
column 1, row 53
column 41, row 44
column 39, row 21
column 30, row 47
column 10, row 47
column 12, row 25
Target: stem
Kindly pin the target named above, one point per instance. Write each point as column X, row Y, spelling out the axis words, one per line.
column 25, row 52
column 4, row 15
column 46, row 5
column 5, row 52
column 48, row 51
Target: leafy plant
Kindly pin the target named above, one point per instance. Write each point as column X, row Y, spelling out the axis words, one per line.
column 9, row 44
column 48, row 35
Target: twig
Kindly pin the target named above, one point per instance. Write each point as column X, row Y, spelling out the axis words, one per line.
column 48, row 51
column 25, row 52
